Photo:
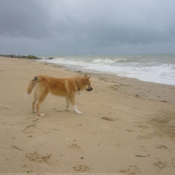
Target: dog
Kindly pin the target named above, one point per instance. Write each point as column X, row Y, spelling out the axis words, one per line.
column 66, row 87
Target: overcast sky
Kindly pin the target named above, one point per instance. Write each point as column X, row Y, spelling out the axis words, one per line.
column 66, row 27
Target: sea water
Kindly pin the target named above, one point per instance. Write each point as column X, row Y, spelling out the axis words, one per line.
column 151, row 68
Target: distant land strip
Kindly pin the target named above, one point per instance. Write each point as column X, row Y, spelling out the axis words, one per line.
column 20, row 56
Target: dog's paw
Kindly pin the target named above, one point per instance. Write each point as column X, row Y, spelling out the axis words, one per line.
column 41, row 115
column 78, row 112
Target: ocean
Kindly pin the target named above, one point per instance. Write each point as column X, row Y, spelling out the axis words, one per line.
column 150, row 68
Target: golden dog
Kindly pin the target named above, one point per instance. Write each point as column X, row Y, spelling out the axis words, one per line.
column 66, row 87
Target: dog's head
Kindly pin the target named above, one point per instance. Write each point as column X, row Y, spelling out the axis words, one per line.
column 86, row 83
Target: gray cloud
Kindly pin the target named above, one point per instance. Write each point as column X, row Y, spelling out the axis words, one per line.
column 24, row 19
column 51, row 27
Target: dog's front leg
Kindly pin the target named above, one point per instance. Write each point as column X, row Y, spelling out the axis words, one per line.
column 76, row 110
column 72, row 100
column 67, row 104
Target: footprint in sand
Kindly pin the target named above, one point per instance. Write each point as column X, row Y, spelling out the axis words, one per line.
column 148, row 136
column 81, row 168
column 75, row 147
column 35, row 157
column 108, row 118
column 161, row 147
column 129, row 130
column 142, row 126
column 131, row 170
column 160, row 164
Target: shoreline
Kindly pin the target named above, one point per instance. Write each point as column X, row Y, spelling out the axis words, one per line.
column 145, row 68
column 127, row 126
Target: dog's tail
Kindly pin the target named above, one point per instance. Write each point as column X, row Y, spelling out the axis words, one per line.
column 31, row 85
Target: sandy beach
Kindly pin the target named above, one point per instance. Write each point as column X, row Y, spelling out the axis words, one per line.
column 127, row 126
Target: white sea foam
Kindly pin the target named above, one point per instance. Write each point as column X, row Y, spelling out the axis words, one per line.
column 159, row 69
column 103, row 61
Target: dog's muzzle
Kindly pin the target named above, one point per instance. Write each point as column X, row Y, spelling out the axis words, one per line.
column 89, row 88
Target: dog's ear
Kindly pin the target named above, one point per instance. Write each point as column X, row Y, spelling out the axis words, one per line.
column 86, row 75
column 85, row 80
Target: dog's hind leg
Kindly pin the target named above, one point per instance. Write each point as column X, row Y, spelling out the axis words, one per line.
column 72, row 101
column 40, row 100
column 67, row 104
column 34, row 102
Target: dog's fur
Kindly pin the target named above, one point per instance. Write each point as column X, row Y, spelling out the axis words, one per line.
column 66, row 87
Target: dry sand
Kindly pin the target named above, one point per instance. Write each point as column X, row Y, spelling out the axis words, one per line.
column 127, row 126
